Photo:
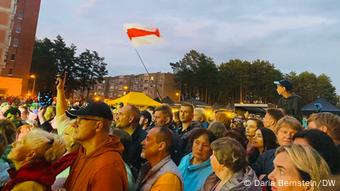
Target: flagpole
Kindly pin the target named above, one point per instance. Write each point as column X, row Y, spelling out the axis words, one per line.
column 141, row 60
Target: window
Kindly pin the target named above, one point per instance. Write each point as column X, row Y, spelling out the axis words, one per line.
column 15, row 42
column 12, row 57
column 20, row 15
column 10, row 72
column 18, row 28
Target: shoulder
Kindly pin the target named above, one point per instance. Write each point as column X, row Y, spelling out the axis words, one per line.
column 28, row 185
column 168, row 178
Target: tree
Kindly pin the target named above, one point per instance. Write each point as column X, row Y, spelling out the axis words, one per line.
column 310, row 87
column 91, row 70
column 53, row 57
column 196, row 75
column 44, row 64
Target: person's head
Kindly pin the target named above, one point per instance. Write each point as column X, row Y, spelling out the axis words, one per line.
column 145, row 118
column 252, row 125
column 176, row 117
column 36, row 145
column 199, row 115
column 186, row 113
column 272, row 116
column 150, row 109
column 23, row 112
column 283, row 86
column 162, row 115
column 323, row 144
column 68, row 136
column 201, row 140
column 92, row 121
column 264, row 139
column 218, row 129
column 286, row 128
column 326, row 122
column 229, row 157
column 8, row 129
column 127, row 116
column 241, row 138
column 157, row 144
column 221, row 116
column 23, row 130
column 296, row 164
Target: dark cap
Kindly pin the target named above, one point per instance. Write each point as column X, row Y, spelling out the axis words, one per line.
column 284, row 83
column 95, row 109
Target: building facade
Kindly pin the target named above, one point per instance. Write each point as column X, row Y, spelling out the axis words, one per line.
column 17, row 38
column 156, row 85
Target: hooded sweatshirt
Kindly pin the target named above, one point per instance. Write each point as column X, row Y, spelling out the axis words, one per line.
column 240, row 181
column 194, row 175
column 103, row 169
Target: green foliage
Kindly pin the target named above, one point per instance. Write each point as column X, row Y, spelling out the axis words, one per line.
column 53, row 57
column 197, row 73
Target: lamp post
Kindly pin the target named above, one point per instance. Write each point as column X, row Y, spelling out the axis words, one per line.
column 178, row 97
column 34, row 78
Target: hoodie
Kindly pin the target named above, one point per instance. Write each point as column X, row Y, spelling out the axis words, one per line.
column 194, row 175
column 102, row 169
column 240, row 181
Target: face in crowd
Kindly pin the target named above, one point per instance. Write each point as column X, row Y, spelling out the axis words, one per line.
column 186, row 114
column 285, row 134
column 257, row 140
column 86, row 127
column 284, row 171
column 160, row 119
column 150, row 145
column 251, row 127
column 201, row 150
column 123, row 118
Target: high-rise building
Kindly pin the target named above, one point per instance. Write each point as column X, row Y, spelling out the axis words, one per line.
column 18, row 24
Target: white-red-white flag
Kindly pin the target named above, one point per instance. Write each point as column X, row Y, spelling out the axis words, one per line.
column 141, row 35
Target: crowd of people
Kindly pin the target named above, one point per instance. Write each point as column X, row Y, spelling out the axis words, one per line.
column 92, row 147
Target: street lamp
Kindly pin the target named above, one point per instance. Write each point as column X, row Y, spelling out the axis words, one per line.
column 178, row 96
column 34, row 78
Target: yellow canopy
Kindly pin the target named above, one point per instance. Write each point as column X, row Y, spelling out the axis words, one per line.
column 134, row 98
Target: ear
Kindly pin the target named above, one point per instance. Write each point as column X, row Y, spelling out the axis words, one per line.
column 100, row 125
column 323, row 128
column 161, row 146
column 168, row 120
column 30, row 156
column 131, row 119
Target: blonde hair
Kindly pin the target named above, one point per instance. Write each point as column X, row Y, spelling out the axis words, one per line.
column 308, row 162
column 289, row 120
column 201, row 113
column 46, row 145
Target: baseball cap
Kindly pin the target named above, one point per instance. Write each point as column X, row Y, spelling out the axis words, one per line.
column 284, row 83
column 94, row 109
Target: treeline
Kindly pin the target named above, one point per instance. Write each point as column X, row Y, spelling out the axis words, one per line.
column 52, row 57
column 199, row 77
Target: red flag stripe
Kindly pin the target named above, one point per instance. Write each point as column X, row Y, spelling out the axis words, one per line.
column 135, row 32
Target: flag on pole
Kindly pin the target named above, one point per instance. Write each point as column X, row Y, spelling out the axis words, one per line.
column 140, row 35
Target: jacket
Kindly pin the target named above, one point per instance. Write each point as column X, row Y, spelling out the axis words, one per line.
column 103, row 169
column 240, row 181
column 194, row 175
column 36, row 174
column 163, row 176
